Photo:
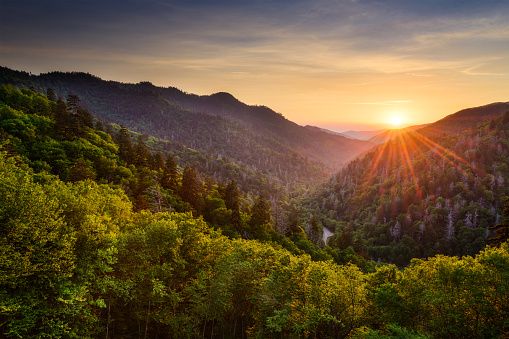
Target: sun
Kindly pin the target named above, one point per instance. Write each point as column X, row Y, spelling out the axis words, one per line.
column 396, row 120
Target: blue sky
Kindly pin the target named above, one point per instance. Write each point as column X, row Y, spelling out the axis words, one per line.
column 336, row 64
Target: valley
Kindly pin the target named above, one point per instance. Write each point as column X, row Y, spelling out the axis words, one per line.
column 147, row 211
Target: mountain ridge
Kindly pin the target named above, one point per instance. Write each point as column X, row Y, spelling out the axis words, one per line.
column 330, row 151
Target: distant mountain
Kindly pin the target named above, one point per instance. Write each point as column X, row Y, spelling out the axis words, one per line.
column 167, row 112
column 392, row 133
column 363, row 135
column 315, row 128
column 330, row 149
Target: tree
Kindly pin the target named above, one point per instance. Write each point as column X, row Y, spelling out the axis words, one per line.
column 170, row 174
column 81, row 171
column 232, row 202
column 125, row 146
column 191, row 187
column 142, row 155
column 36, row 257
column 260, row 218
column 158, row 161
column 84, row 118
column 62, row 121
column 73, row 103
column 502, row 229
column 314, row 230
column 99, row 126
column 50, row 93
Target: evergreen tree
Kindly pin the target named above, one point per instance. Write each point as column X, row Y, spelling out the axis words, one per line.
column 158, row 161
column 260, row 213
column 259, row 224
column 99, row 126
column 191, row 187
column 231, row 195
column 81, row 171
column 314, row 230
column 293, row 223
column 142, row 155
column 62, row 121
column 73, row 103
column 85, row 118
column 170, row 174
column 125, row 146
column 50, row 93
column 232, row 202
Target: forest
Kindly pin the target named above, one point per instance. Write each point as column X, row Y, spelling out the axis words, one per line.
column 107, row 232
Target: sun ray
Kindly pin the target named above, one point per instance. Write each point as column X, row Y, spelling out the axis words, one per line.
column 436, row 148
column 410, row 166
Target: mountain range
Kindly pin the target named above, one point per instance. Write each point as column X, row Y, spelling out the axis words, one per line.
column 206, row 218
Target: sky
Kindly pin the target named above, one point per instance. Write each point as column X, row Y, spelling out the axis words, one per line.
column 337, row 64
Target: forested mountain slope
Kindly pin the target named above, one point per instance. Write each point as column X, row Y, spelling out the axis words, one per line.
column 171, row 114
column 464, row 119
column 223, row 149
column 61, row 139
column 417, row 196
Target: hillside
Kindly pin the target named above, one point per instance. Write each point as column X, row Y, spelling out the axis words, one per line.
column 222, row 149
column 417, row 196
column 464, row 119
column 193, row 120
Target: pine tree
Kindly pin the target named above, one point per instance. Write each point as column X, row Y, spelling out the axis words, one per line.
column 125, row 146
column 99, row 126
column 170, row 174
column 81, row 171
column 85, row 118
column 293, row 223
column 62, row 121
column 191, row 187
column 142, row 155
column 314, row 230
column 73, row 103
column 260, row 213
column 50, row 93
column 158, row 161
column 232, row 202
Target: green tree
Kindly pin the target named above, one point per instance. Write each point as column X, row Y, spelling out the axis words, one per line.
column 63, row 121
column 142, row 155
column 191, row 188
column 125, row 146
column 232, row 202
column 81, row 171
column 260, row 219
column 170, row 174
column 36, row 258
